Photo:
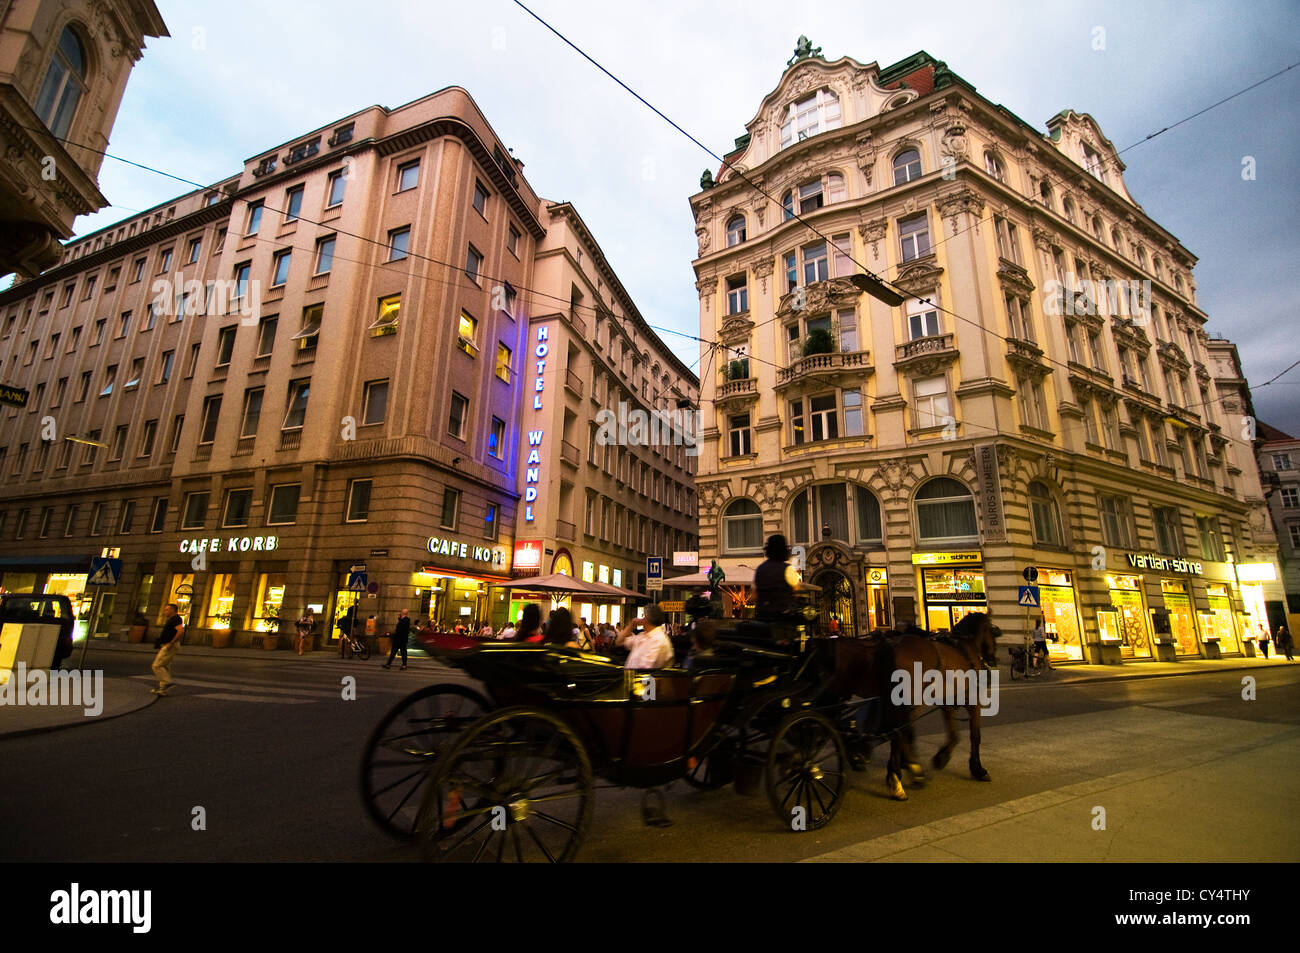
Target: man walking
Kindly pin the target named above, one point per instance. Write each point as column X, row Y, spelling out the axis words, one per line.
column 399, row 637
column 168, row 640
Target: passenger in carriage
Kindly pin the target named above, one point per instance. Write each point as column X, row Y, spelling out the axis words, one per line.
column 703, row 635
column 650, row 647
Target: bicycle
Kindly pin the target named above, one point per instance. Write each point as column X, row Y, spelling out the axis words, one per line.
column 1022, row 667
column 359, row 646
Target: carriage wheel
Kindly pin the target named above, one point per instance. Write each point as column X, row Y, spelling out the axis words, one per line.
column 516, row 787
column 404, row 745
column 715, row 769
column 805, row 774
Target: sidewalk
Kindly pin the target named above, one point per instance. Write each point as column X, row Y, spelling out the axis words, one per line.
column 122, row 696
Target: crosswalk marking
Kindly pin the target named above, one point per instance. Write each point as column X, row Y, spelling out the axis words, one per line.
column 250, row 687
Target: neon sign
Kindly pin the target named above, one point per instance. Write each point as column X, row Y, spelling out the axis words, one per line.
column 533, row 464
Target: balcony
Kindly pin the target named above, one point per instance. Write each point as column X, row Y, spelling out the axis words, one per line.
column 832, row 368
column 573, row 382
column 1026, row 356
column 741, row 391
column 925, row 355
column 291, row 439
column 569, row 453
column 566, row 530
column 203, row 452
column 244, row 446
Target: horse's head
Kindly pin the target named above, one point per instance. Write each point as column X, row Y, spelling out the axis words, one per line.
column 978, row 627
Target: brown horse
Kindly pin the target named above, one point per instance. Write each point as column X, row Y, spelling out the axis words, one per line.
column 957, row 658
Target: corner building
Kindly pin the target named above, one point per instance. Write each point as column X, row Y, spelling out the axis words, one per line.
column 260, row 391
column 1065, row 421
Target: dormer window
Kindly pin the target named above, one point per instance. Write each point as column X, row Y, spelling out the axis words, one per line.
column 265, row 167
column 302, row 151
column 736, row 230
column 1092, row 163
column 819, row 112
column 342, row 134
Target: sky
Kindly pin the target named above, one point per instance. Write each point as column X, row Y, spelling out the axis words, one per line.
column 238, row 77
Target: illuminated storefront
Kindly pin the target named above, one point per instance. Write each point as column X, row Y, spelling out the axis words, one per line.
column 1126, row 623
column 952, row 586
column 1252, row 577
column 1218, row 623
column 1060, row 612
column 878, row 616
column 1182, row 624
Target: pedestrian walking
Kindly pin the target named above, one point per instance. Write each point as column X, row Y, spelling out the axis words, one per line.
column 305, row 625
column 169, row 639
column 1285, row 643
column 1263, row 641
column 400, row 635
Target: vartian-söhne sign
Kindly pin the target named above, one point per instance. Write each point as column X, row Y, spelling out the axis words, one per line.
column 1167, row 563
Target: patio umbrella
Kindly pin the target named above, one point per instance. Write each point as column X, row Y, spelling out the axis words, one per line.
column 617, row 591
column 555, row 582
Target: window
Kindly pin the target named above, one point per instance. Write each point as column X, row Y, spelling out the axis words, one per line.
column 242, row 272
column 945, row 512
column 736, row 230
column 151, row 314
column 147, row 436
column 922, row 319
column 457, row 417
column 83, row 388
column 1116, row 521
column 225, row 345
column 932, row 409
column 1030, row 392
column 338, row 183
column 993, row 166
column 254, row 218
column 816, row 267
column 481, row 197
column 293, row 203
column 497, row 439
column 280, row 268
column 1045, row 516
column 195, row 245
column 408, row 175
column 1211, row 542
column 1068, row 207
column 737, row 295
column 358, row 508
column 75, row 340
column 309, row 333
column 194, row 513
column 266, row 336
column 178, row 424
column 64, row 85
column 60, row 389
column 450, row 508
column 1281, row 461
column 1290, row 497
column 284, row 504
column 467, row 333
column 238, row 505
column 1018, row 318
column 53, row 345
column 211, row 414
column 252, row 412
column 390, row 309
column 128, row 517
column 1007, row 239
column 473, row 263
column 47, row 515
column 914, row 236
column 96, row 519
column 503, row 362
column 20, row 525
column 325, row 255
column 138, row 273
column 512, row 241
column 738, row 434
column 1169, row 530
column 1117, row 240
column 398, row 242
column 907, row 166
column 1092, row 163
column 810, row 197
column 194, row 360
column 374, row 405
column 819, row 112
column 742, row 527
column 296, row 413
column 1294, row 530
column 100, row 327
column 158, row 521
column 110, row 377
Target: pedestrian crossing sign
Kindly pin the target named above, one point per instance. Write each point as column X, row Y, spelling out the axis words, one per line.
column 1029, row 597
column 356, row 582
column 104, row 572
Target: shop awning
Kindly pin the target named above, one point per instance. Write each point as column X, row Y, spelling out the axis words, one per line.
column 494, row 580
column 72, row 563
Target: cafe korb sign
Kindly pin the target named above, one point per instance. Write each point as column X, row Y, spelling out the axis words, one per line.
column 989, row 493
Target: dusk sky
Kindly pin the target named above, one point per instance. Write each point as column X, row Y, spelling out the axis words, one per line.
column 235, row 79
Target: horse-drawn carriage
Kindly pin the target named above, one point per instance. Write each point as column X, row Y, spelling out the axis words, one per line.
column 509, row 772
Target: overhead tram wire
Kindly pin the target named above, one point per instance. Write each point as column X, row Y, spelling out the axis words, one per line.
column 799, row 217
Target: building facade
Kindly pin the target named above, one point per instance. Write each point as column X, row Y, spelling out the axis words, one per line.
column 1279, row 470
column 63, row 69
column 1039, row 400
column 278, row 393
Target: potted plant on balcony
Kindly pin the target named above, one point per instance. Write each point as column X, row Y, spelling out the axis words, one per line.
column 819, row 341
column 737, row 371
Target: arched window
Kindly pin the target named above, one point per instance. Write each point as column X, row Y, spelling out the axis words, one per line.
column 742, row 527
column 851, row 513
column 993, row 165
column 1045, row 192
column 787, row 205
column 65, row 82
column 1142, row 257
column 1117, row 240
column 816, row 113
column 1067, row 205
column 1098, row 229
column 736, row 231
column 1045, row 515
column 907, row 166
column 945, row 513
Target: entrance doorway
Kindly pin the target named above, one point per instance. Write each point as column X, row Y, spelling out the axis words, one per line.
column 836, row 605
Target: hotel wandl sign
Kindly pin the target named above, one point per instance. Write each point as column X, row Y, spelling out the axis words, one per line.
column 989, row 493
column 14, row 396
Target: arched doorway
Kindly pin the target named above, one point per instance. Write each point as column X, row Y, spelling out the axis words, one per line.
column 836, row 603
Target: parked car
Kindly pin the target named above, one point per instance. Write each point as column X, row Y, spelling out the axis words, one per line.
column 45, row 609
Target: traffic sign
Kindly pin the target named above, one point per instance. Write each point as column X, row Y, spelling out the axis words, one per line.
column 372, row 588
column 1028, row 597
column 1030, row 574
column 104, row 572
column 654, row 567
column 654, row 585
column 359, row 567
column 356, row 581
column 673, row 606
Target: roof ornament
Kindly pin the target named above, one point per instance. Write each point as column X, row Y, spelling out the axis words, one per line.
column 803, row 49
column 706, row 180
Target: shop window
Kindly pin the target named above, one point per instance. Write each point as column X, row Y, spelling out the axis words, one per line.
column 945, row 512
column 270, row 601
column 221, row 601
column 284, row 504
column 742, row 527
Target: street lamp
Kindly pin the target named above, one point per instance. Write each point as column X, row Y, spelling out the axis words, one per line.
column 870, row 284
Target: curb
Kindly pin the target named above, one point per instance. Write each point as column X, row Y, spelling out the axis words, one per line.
column 81, row 723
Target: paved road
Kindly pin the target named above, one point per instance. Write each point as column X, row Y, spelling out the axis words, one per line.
column 269, row 751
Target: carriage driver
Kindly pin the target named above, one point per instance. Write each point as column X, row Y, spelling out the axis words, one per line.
column 651, row 647
column 775, row 582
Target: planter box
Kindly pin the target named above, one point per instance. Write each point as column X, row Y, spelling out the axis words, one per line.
column 136, row 633
column 270, row 641
column 385, row 645
column 1166, row 652
column 1250, row 649
column 222, row 638
column 1212, row 649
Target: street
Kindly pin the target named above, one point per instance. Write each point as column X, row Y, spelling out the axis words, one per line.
column 269, row 752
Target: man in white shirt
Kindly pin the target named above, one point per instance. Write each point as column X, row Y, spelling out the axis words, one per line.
column 649, row 648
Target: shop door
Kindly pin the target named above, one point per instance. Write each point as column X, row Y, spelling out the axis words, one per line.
column 836, row 607
column 344, row 599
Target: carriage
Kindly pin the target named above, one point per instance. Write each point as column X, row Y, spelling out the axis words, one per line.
column 510, row 772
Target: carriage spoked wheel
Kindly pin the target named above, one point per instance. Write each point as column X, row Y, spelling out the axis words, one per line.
column 404, row 745
column 805, row 775
column 516, row 787
column 715, row 769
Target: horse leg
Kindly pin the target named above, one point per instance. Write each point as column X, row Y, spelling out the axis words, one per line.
column 942, row 756
column 908, row 742
column 894, row 772
column 976, row 769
